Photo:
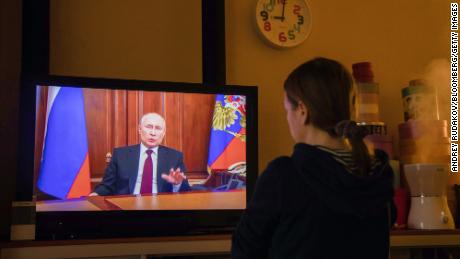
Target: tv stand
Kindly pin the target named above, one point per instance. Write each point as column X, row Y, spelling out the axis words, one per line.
column 402, row 242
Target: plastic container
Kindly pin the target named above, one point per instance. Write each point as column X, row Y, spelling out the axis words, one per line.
column 419, row 101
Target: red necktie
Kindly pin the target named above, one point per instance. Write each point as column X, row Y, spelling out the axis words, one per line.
column 146, row 184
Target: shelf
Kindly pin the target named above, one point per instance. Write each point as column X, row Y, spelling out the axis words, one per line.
column 189, row 245
column 425, row 238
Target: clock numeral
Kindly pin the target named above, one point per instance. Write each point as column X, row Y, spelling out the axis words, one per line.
column 291, row 34
column 300, row 19
column 268, row 7
column 282, row 37
column 297, row 27
column 297, row 9
column 264, row 15
column 267, row 26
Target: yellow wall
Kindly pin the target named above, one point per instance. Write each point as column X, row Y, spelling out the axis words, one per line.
column 161, row 40
column 400, row 38
column 142, row 39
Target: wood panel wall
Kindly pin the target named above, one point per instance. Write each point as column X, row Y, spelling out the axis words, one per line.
column 112, row 119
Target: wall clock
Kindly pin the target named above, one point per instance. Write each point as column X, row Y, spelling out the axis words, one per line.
column 283, row 23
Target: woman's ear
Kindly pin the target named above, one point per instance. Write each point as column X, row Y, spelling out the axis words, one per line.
column 303, row 112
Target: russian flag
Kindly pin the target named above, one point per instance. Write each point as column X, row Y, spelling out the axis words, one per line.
column 227, row 146
column 64, row 169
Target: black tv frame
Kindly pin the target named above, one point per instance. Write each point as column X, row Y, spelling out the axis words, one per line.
column 111, row 224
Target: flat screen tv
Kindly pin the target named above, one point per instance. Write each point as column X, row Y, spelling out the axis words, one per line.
column 106, row 158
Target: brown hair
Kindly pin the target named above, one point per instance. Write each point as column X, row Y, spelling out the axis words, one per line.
column 326, row 88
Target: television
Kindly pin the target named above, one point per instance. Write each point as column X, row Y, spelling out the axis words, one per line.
column 82, row 165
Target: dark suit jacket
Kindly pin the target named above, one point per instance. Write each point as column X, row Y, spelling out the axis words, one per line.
column 121, row 173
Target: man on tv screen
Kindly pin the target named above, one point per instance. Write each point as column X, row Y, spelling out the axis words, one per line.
column 147, row 167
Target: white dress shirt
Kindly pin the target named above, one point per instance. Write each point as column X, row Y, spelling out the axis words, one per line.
column 140, row 170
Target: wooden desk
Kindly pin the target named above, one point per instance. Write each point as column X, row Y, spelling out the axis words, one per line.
column 199, row 200
column 189, row 245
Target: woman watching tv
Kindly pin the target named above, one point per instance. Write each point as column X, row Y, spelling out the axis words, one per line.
column 332, row 198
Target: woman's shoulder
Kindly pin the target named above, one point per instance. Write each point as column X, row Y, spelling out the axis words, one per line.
column 278, row 167
column 281, row 162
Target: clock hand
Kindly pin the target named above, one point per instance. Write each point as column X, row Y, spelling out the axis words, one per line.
column 282, row 14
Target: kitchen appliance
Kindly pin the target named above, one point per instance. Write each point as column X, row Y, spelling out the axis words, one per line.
column 429, row 208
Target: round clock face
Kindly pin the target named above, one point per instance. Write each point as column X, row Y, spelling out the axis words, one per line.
column 284, row 23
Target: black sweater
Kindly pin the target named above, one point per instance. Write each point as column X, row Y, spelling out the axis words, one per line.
column 309, row 206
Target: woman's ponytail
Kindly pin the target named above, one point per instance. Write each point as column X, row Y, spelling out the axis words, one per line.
column 349, row 130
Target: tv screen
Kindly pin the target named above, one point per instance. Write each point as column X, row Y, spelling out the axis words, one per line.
column 111, row 156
